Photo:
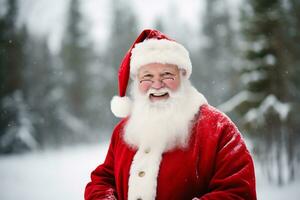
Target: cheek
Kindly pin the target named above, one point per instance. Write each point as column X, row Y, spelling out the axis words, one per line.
column 172, row 84
column 144, row 87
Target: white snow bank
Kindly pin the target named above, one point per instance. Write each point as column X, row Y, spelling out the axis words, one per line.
column 49, row 175
column 268, row 191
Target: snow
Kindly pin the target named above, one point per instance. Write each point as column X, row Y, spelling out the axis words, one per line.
column 73, row 123
column 56, row 174
column 256, row 115
column 2, row 8
column 236, row 100
column 253, row 76
column 258, row 45
column 63, row 174
column 267, row 191
column 270, row 59
column 23, row 131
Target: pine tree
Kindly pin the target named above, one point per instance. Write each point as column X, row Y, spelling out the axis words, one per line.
column 75, row 54
column 10, row 67
column 216, row 59
column 15, row 125
column 267, row 103
column 43, row 93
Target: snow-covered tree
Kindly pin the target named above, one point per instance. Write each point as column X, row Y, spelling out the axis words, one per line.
column 75, row 51
column 16, row 132
column 267, row 104
column 75, row 54
column 43, row 92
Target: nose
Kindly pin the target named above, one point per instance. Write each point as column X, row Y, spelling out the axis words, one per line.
column 157, row 84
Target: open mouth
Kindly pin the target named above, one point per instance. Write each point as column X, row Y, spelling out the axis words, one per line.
column 159, row 96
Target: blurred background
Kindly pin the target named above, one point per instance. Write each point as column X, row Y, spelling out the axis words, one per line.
column 59, row 63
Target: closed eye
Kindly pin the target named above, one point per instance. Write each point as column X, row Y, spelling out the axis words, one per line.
column 147, row 76
column 168, row 75
column 146, row 80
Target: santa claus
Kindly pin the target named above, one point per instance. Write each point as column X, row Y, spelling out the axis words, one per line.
column 171, row 144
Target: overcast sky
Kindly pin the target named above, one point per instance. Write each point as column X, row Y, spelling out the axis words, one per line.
column 47, row 18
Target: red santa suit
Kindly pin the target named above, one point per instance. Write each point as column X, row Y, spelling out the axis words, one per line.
column 215, row 165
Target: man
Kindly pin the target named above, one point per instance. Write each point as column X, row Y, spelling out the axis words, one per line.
column 171, row 145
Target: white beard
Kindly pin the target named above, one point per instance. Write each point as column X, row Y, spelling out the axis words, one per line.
column 164, row 124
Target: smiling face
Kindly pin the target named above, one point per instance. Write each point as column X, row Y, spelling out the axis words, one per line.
column 157, row 80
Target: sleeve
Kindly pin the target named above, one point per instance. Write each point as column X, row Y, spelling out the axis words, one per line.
column 233, row 176
column 102, row 184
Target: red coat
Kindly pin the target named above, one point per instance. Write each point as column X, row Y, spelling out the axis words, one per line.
column 215, row 165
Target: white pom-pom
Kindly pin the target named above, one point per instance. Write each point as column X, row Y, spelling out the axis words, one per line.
column 121, row 106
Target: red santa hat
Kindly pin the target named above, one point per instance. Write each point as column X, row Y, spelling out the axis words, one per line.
column 151, row 46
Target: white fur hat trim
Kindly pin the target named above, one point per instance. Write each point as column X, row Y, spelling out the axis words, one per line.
column 160, row 51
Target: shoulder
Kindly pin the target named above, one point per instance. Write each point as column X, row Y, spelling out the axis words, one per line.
column 211, row 122
column 208, row 113
column 224, row 128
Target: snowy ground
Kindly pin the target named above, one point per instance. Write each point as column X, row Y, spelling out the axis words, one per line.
column 63, row 174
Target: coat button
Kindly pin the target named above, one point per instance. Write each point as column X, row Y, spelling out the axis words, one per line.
column 141, row 173
column 147, row 150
